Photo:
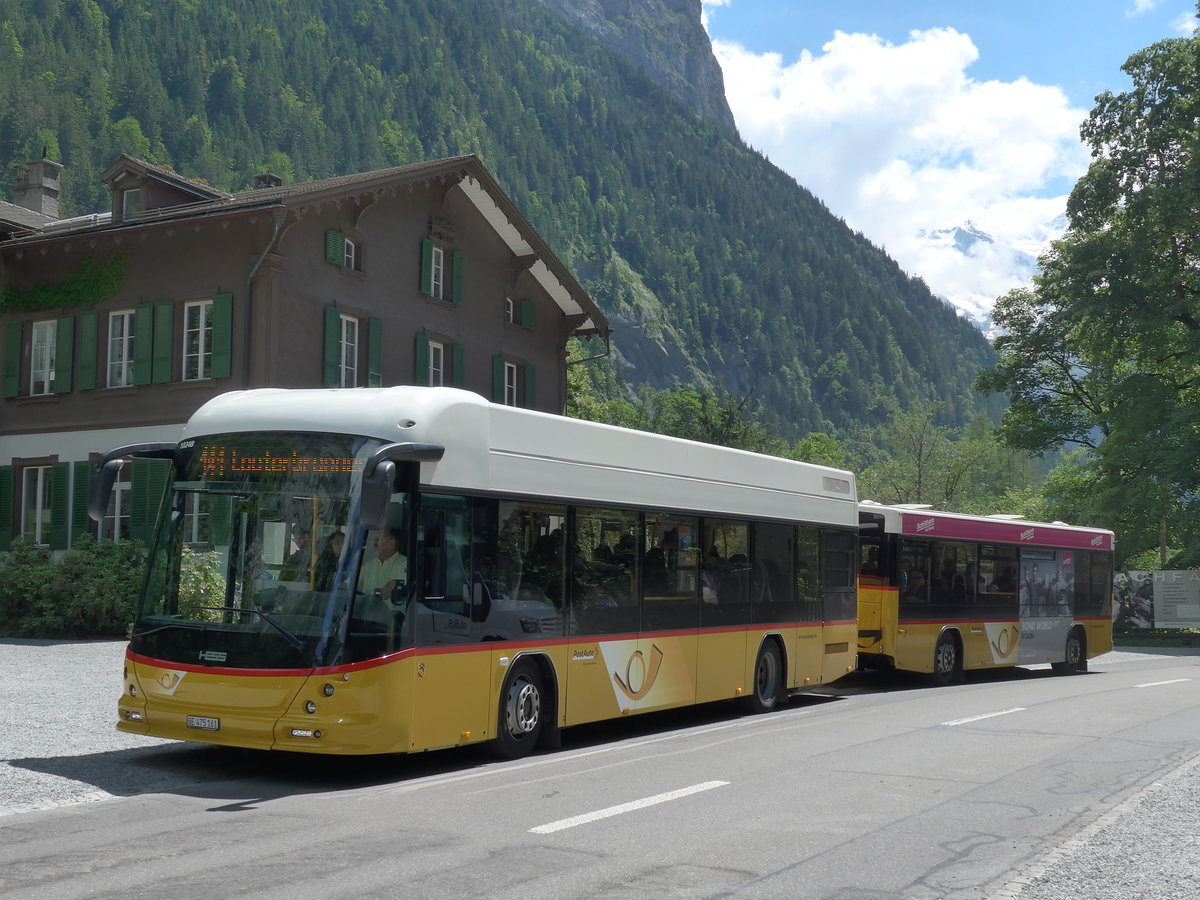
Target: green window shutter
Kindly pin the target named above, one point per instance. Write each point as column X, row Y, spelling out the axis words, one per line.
column 164, row 340
column 335, row 247
column 333, row 345
column 497, row 379
column 222, row 335
column 6, row 506
column 12, row 365
column 458, row 366
column 148, row 480
column 427, row 267
column 530, row 387
column 80, row 523
column 58, row 504
column 421, row 364
column 374, row 353
column 456, row 283
column 85, row 379
column 64, row 354
column 143, row 342
column 526, row 313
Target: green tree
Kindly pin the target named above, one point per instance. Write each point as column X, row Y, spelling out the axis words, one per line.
column 1104, row 352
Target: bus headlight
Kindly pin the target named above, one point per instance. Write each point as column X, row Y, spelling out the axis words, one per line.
column 310, row 707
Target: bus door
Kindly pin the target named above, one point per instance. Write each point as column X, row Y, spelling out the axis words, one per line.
column 1046, row 591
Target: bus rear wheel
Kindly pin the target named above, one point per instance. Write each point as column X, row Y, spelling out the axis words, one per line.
column 768, row 679
column 1074, row 656
column 947, row 663
column 522, row 710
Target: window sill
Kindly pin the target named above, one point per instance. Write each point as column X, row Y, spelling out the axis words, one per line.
column 35, row 399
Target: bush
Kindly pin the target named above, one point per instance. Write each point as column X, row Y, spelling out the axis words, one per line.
column 91, row 591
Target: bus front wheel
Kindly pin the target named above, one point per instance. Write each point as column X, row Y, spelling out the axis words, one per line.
column 768, row 679
column 522, row 710
column 947, row 664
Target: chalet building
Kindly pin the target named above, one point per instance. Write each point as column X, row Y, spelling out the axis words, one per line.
column 115, row 327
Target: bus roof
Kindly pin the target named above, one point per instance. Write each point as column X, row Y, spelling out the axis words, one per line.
column 921, row 521
column 512, row 451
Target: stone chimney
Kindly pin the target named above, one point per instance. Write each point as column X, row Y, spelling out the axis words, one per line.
column 37, row 186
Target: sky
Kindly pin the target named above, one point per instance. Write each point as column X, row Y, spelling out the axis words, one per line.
column 913, row 118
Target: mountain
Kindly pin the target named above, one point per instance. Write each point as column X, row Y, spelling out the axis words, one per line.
column 1015, row 255
column 605, row 121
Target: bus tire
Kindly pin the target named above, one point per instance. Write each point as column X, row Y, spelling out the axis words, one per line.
column 947, row 661
column 1074, row 655
column 522, row 711
column 768, row 679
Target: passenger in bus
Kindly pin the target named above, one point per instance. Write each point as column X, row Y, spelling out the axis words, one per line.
column 387, row 569
column 918, row 589
column 295, row 567
column 327, row 562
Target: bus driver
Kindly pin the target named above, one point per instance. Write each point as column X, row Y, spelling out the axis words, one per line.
column 386, row 569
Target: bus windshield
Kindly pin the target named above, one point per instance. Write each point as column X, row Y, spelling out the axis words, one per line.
column 255, row 561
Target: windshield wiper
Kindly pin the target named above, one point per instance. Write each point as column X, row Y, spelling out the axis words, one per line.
column 289, row 636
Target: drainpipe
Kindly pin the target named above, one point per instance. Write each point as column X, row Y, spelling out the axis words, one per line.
column 247, row 318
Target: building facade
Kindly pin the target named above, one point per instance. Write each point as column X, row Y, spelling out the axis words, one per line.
column 115, row 327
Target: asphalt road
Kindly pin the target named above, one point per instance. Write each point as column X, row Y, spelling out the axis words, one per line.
column 1021, row 785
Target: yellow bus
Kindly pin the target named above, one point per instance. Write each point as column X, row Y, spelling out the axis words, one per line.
column 402, row 569
column 942, row 593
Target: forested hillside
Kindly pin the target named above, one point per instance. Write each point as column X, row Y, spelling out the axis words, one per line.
column 714, row 267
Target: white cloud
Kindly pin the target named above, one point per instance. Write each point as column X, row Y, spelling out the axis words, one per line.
column 899, row 140
column 1184, row 24
column 1140, row 7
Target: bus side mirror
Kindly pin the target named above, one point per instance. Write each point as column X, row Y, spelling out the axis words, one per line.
column 377, row 494
column 109, row 467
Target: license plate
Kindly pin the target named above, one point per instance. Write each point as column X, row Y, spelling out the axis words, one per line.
column 204, row 723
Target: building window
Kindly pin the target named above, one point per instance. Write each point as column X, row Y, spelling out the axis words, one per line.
column 116, row 521
column 438, row 269
column 131, row 203
column 348, row 368
column 36, row 488
column 120, row 349
column 350, row 260
column 510, row 384
column 197, row 341
column 437, row 357
column 41, row 367
column 510, row 311
column 195, row 520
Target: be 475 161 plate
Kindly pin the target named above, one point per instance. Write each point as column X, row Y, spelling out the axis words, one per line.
column 204, row 723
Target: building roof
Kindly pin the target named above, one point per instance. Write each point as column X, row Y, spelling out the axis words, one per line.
column 485, row 194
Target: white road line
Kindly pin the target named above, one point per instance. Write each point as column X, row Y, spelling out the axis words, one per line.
column 1003, row 712
column 1157, row 683
column 562, row 824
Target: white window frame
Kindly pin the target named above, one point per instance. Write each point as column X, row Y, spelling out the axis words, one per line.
column 197, row 340
column 41, row 357
column 437, row 267
column 437, row 363
column 120, row 506
column 36, row 487
column 510, row 384
column 350, row 257
column 120, row 348
column 131, row 203
column 195, row 521
column 510, row 311
column 348, row 352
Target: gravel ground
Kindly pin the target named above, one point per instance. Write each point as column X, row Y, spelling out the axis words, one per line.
column 59, row 746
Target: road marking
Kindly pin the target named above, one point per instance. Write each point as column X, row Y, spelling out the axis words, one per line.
column 562, row 824
column 1157, row 683
column 1003, row 712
